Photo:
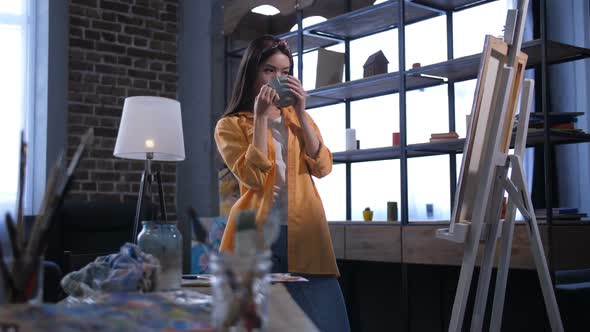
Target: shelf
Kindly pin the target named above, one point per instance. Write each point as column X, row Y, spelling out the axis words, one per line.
column 556, row 52
column 455, row 70
column 369, row 20
column 436, row 148
column 365, row 88
column 466, row 68
column 570, row 114
column 535, row 138
column 454, row 5
column 375, row 154
column 310, row 43
column 355, row 24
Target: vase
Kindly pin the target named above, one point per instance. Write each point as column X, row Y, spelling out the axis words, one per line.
column 367, row 214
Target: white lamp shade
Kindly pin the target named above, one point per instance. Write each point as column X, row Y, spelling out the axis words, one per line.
column 150, row 124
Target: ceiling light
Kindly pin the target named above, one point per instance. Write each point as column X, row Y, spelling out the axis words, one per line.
column 266, row 10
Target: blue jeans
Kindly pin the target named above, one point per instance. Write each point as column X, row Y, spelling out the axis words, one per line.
column 320, row 298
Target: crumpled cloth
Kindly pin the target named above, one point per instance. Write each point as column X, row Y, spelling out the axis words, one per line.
column 130, row 270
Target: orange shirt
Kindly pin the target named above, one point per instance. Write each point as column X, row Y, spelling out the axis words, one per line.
column 309, row 244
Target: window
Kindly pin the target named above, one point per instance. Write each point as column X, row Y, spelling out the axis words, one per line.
column 15, row 63
column 373, row 184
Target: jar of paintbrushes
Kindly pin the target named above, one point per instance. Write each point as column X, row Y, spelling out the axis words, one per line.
column 241, row 280
column 21, row 270
column 25, row 289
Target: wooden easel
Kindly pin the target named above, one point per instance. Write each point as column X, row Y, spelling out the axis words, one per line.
column 484, row 180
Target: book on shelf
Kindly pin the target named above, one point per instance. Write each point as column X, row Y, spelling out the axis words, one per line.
column 558, row 120
column 568, row 125
column 442, row 137
column 440, row 140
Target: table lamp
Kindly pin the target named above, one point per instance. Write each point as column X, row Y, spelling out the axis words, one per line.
column 150, row 129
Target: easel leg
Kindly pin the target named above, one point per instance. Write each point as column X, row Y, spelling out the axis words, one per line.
column 483, row 282
column 508, row 227
column 503, row 267
column 463, row 287
column 467, row 266
column 537, row 251
column 485, row 272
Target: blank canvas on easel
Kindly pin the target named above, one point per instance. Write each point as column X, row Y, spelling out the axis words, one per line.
column 484, row 127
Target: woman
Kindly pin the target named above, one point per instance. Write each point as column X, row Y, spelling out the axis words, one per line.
column 273, row 153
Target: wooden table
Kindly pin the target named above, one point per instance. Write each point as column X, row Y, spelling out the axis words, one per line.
column 143, row 312
column 284, row 313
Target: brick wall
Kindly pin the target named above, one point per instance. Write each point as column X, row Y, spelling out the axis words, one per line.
column 117, row 49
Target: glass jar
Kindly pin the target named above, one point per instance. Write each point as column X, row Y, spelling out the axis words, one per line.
column 20, row 291
column 240, row 289
column 163, row 241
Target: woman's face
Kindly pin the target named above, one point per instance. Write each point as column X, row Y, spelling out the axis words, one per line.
column 277, row 64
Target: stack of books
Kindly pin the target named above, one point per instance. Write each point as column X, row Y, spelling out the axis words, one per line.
column 442, row 137
column 562, row 121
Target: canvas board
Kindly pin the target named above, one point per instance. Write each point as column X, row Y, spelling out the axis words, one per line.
column 330, row 68
column 486, row 124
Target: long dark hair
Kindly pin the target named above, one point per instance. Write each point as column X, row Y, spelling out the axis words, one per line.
column 260, row 49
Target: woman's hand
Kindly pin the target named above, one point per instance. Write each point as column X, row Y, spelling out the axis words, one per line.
column 263, row 102
column 300, row 95
column 312, row 142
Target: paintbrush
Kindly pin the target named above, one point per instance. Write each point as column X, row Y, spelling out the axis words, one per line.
column 199, row 230
column 55, row 195
column 12, row 235
column 6, row 275
column 21, row 189
column 21, row 279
